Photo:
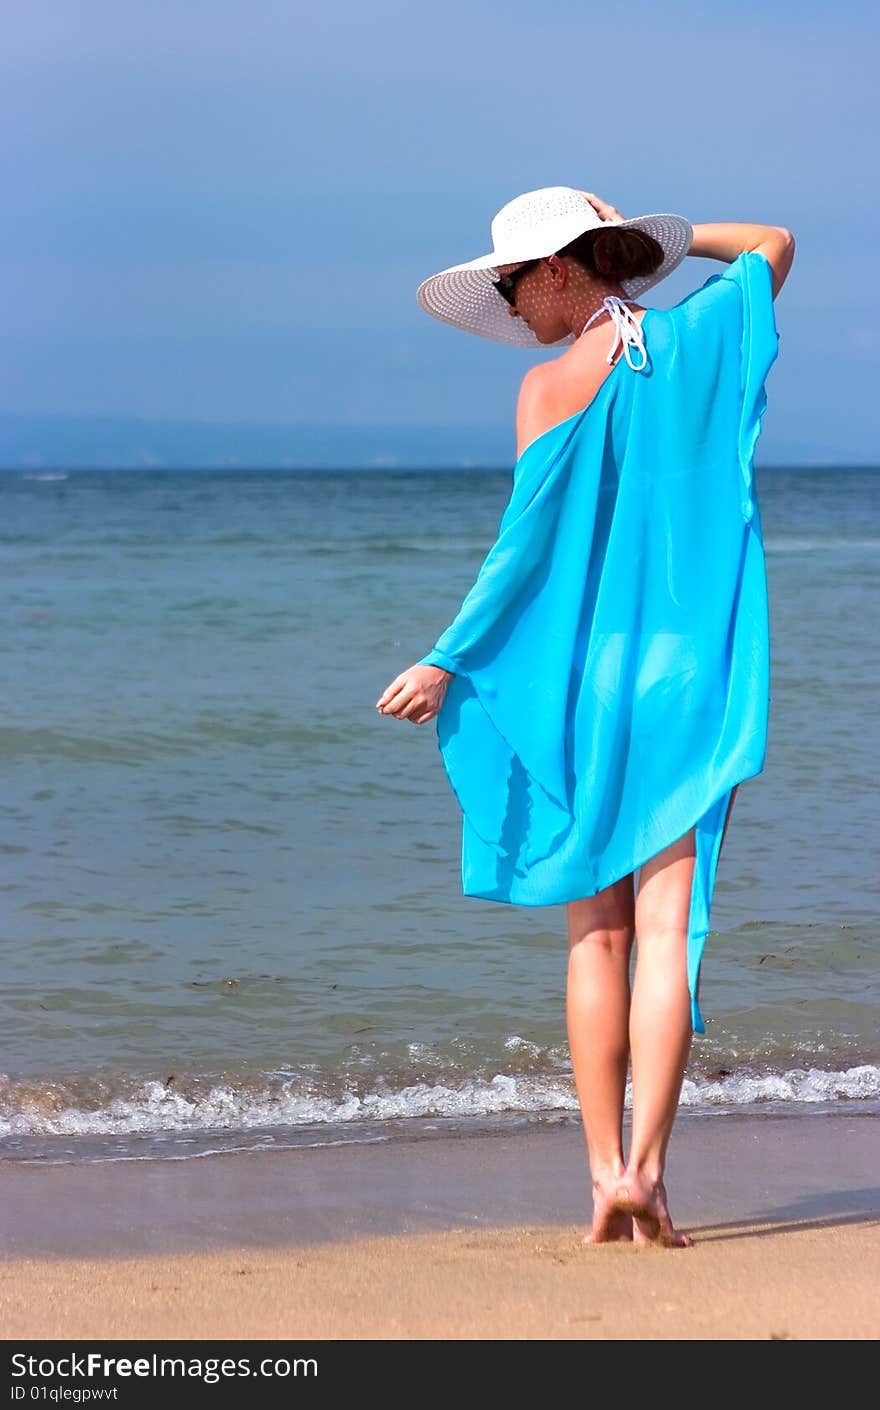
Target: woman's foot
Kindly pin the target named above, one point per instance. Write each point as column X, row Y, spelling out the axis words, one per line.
column 644, row 1201
column 610, row 1223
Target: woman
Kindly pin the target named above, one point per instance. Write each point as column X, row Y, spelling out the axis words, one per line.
column 604, row 688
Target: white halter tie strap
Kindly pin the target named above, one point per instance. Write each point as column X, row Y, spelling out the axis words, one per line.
column 627, row 329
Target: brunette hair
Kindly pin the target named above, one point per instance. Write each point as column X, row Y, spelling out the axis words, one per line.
column 616, row 254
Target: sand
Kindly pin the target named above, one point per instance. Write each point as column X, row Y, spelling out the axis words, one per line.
column 741, row 1282
column 785, row 1214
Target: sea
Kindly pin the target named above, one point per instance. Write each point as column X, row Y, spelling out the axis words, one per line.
column 232, row 915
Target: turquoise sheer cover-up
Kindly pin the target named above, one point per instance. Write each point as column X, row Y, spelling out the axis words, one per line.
column 611, row 662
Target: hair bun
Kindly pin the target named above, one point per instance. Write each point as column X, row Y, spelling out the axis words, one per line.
column 615, row 254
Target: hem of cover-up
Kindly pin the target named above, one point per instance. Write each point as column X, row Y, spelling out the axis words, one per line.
column 567, row 820
column 706, row 854
column 707, row 849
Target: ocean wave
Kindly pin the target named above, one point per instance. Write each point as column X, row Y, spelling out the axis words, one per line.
column 436, row 544
column 155, row 1106
column 792, row 543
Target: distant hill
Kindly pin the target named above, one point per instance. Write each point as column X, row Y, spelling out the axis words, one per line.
column 61, row 442
column 127, row 442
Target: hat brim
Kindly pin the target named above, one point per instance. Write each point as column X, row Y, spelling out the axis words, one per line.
column 465, row 296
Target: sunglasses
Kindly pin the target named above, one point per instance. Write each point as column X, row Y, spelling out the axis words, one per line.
column 506, row 283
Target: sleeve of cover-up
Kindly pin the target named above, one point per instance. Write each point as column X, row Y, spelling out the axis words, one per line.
column 743, row 297
column 438, row 658
column 501, row 583
column 506, row 579
column 759, row 347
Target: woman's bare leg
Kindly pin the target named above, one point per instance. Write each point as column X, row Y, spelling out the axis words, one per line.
column 660, row 1034
column 600, row 937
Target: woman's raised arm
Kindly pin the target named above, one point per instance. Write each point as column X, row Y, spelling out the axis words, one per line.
column 727, row 240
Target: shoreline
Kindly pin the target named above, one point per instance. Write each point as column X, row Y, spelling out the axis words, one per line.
column 474, row 1238
column 750, row 1169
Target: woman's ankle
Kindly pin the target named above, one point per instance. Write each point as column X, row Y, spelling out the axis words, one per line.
column 606, row 1170
column 648, row 1168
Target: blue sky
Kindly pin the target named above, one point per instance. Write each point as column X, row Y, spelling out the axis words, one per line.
column 218, row 210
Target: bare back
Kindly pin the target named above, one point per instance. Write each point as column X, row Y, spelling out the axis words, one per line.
column 571, row 381
column 575, row 377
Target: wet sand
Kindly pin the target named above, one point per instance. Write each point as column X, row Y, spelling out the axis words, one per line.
column 451, row 1237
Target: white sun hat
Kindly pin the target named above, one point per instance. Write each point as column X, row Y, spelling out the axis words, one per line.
column 531, row 226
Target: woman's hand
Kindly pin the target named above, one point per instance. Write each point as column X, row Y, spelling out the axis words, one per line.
column 602, row 208
column 415, row 695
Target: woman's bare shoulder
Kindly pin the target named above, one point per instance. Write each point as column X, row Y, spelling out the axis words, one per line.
column 554, row 391
column 539, row 394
